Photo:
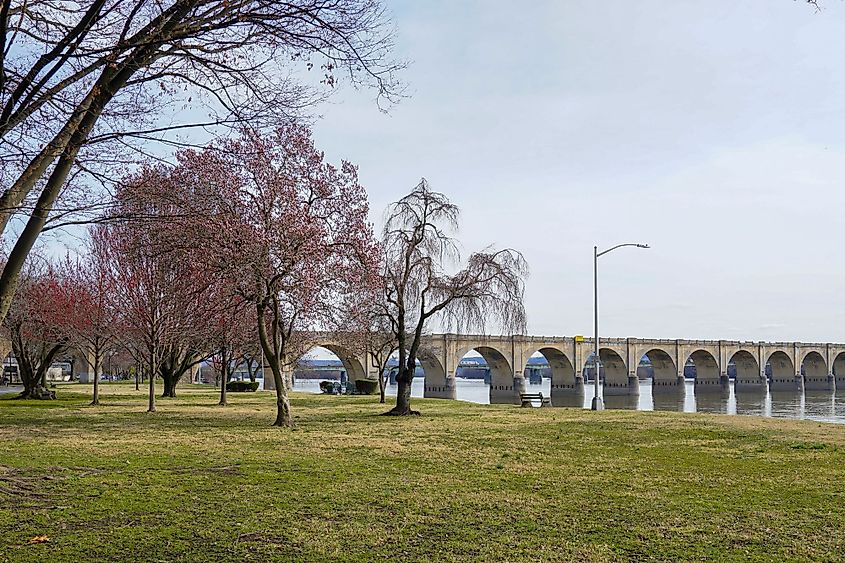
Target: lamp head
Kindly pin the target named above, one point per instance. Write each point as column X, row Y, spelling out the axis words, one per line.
column 643, row 246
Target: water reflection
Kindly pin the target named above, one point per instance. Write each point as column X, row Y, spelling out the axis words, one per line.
column 813, row 405
column 628, row 402
column 712, row 402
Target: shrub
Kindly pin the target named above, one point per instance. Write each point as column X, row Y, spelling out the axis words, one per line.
column 242, row 386
column 327, row 387
column 366, row 386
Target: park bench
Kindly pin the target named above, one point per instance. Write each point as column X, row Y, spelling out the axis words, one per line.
column 528, row 399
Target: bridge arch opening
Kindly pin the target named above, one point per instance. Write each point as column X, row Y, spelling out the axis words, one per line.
column 746, row 371
column 815, row 372
column 780, row 370
column 613, row 371
column 327, row 361
column 702, row 366
column 429, row 373
column 839, row 366
column 559, row 368
column 551, row 372
column 814, row 366
column 661, row 368
column 705, row 366
column 489, row 365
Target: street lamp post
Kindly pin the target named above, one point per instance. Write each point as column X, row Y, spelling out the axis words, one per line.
column 598, row 404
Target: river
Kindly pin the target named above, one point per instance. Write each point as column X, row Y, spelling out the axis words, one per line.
column 822, row 406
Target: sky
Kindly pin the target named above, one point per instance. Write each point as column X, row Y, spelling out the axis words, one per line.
column 714, row 132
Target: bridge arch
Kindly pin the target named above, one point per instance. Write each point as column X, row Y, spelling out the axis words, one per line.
column 665, row 376
column 665, row 370
column 502, row 389
column 560, row 365
column 351, row 362
column 706, row 366
column 839, row 367
column 748, row 376
column 815, row 371
column 708, row 375
column 615, row 371
column 782, row 371
column 566, row 386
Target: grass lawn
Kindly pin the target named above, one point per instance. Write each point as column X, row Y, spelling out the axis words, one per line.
column 195, row 481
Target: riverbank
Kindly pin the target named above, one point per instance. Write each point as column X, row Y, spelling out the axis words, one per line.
column 199, row 482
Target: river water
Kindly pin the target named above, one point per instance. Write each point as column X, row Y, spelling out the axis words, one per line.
column 822, row 406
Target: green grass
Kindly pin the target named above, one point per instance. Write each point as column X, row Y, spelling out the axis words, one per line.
column 195, row 481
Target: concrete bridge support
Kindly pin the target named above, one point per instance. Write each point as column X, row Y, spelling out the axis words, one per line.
column 617, row 380
column 709, row 378
column 82, row 366
column 630, row 387
column 816, row 374
column 837, row 365
column 439, row 383
column 445, row 389
column 667, row 379
column 784, row 376
column 749, row 377
column 270, row 382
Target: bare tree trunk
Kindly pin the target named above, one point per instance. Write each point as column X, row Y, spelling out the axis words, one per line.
column 224, row 371
column 153, row 367
column 381, row 386
column 403, row 394
column 403, row 398
column 283, row 416
column 96, row 366
column 170, row 381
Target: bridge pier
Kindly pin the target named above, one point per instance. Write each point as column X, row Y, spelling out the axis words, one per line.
column 826, row 383
column 666, row 386
column 504, row 394
column 568, row 394
column 757, row 385
column 712, row 386
column 270, row 382
column 444, row 390
column 632, row 387
column 795, row 383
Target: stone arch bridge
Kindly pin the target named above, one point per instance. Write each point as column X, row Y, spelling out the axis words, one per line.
column 794, row 366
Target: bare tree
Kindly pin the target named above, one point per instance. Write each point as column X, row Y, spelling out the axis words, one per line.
column 418, row 251
column 381, row 340
column 85, row 83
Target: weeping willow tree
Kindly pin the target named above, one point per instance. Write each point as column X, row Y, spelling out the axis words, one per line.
column 419, row 251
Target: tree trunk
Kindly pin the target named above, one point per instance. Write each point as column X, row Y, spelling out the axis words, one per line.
column 169, row 385
column 30, row 389
column 403, row 395
column 224, row 371
column 283, row 416
column 96, row 366
column 382, row 384
column 152, row 371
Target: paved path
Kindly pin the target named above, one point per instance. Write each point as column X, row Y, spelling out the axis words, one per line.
column 10, row 389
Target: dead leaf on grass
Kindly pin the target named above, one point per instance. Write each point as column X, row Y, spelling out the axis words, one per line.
column 38, row 539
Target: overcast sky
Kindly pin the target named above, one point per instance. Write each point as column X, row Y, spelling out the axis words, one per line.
column 712, row 131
